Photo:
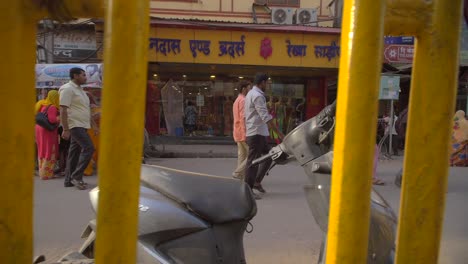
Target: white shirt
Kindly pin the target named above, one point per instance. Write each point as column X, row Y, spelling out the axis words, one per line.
column 256, row 113
column 79, row 111
column 387, row 119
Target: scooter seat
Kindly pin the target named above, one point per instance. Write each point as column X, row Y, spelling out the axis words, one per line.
column 215, row 199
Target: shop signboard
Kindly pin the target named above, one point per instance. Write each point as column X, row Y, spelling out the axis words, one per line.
column 399, row 40
column 389, row 87
column 401, row 49
column 56, row 75
column 244, row 48
column 398, row 53
column 79, row 43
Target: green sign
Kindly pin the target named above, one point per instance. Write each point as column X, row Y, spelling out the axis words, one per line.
column 464, row 45
column 389, row 87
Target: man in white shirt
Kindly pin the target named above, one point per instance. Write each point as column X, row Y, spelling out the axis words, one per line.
column 257, row 121
column 393, row 133
column 75, row 114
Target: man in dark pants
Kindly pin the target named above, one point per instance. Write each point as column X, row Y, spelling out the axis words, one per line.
column 75, row 114
column 257, row 121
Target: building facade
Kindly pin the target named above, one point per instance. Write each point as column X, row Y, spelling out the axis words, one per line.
column 200, row 50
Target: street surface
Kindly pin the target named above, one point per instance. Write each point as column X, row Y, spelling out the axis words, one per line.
column 284, row 229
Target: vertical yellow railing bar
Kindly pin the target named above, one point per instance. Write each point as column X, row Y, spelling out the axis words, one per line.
column 85, row 8
column 18, row 46
column 432, row 105
column 125, row 73
column 359, row 79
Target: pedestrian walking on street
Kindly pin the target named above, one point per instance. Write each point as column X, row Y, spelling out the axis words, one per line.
column 76, row 120
column 239, row 130
column 258, row 120
column 47, row 140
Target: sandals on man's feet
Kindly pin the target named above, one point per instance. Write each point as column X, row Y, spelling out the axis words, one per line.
column 80, row 185
column 378, row 182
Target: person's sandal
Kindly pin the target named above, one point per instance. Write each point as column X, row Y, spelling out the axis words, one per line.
column 259, row 188
column 378, row 182
column 80, row 185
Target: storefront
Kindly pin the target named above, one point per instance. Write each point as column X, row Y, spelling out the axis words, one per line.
column 204, row 64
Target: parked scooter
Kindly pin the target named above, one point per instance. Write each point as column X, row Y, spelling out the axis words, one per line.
column 311, row 145
column 197, row 218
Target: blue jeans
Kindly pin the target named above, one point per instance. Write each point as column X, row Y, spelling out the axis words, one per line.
column 79, row 155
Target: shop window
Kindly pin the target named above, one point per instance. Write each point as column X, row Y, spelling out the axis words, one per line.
column 295, row 3
column 213, row 101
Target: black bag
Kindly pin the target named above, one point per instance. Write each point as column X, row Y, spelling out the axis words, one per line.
column 42, row 120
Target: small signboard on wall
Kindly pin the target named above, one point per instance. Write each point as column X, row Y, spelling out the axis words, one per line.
column 389, row 87
column 200, row 100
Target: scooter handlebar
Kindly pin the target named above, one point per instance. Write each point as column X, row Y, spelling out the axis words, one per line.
column 262, row 159
column 276, row 154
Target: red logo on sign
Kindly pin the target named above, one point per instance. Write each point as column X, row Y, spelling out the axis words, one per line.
column 399, row 53
column 265, row 48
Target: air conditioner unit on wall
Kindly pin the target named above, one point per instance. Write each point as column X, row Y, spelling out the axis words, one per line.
column 307, row 16
column 282, row 16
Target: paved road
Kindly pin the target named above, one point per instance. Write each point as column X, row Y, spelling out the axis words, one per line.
column 284, row 230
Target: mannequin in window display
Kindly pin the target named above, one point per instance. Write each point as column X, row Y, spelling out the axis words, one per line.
column 219, row 126
column 173, row 107
column 228, row 118
column 152, row 109
column 271, row 105
column 290, row 115
column 281, row 113
column 300, row 111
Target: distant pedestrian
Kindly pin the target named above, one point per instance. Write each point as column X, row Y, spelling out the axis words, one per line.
column 76, row 120
column 240, row 130
column 190, row 117
column 400, row 126
column 258, row 120
column 375, row 180
column 392, row 132
column 47, row 140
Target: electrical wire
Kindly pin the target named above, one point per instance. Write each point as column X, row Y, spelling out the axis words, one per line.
column 94, row 52
column 239, row 25
column 69, row 27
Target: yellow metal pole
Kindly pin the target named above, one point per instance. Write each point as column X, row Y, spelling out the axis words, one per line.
column 359, row 79
column 125, row 72
column 433, row 92
column 406, row 17
column 84, row 8
column 18, row 45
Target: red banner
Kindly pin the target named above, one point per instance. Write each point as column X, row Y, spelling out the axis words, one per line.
column 398, row 53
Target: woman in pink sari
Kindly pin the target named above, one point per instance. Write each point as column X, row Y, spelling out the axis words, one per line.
column 46, row 140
